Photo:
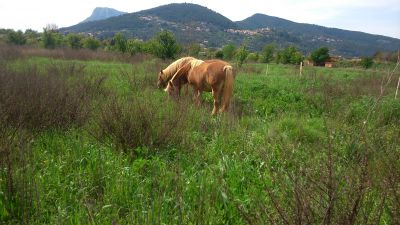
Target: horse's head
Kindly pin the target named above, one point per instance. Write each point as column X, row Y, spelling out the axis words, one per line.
column 161, row 82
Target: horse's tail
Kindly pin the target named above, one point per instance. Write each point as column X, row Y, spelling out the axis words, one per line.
column 228, row 87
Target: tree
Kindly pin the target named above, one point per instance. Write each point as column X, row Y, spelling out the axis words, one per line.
column 253, row 57
column 50, row 37
column 165, row 45
column 267, row 54
column 74, row 41
column 290, row 55
column 16, row 37
column 367, row 62
column 228, row 51
column 241, row 55
column 320, row 56
column 91, row 43
column 120, row 42
column 32, row 37
column 135, row 46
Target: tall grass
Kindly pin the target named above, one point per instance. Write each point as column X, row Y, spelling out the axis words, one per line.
column 115, row 149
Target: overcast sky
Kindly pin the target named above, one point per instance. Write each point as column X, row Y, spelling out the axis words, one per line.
column 371, row 16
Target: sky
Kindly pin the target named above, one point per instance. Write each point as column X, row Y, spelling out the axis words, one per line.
column 370, row 16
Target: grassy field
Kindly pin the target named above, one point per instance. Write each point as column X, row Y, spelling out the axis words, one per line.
column 95, row 142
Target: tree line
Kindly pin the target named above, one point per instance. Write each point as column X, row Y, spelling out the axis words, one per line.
column 164, row 45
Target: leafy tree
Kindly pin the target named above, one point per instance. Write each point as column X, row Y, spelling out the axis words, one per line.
column 320, row 56
column 228, row 51
column 16, row 37
column 165, row 45
column 32, row 37
column 367, row 62
column 75, row 40
column 290, row 55
column 50, row 37
column 241, row 55
column 267, row 54
column 120, row 42
column 91, row 43
column 135, row 46
column 253, row 57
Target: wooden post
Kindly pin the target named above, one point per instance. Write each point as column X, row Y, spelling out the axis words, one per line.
column 301, row 68
column 266, row 72
column 397, row 89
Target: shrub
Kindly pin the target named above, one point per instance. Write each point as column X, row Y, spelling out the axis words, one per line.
column 91, row 43
column 75, row 41
column 228, row 51
column 320, row 56
column 241, row 55
column 36, row 100
column 367, row 62
column 267, row 54
column 16, row 37
column 219, row 54
column 142, row 122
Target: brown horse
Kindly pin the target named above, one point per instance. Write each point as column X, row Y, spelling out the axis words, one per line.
column 216, row 76
column 166, row 74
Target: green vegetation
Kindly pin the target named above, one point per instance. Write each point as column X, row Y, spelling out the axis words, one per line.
column 228, row 51
column 289, row 55
column 192, row 23
column 267, row 54
column 320, row 56
column 95, row 142
column 165, row 46
column 241, row 55
column 366, row 62
column 16, row 37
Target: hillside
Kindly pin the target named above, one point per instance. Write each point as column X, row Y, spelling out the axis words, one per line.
column 102, row 13
column 339, row 41
column 194, row 23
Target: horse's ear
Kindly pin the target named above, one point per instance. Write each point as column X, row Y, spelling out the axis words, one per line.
column 161, row 71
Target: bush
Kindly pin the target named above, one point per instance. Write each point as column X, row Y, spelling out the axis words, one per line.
column 367, row 62
column 75, row 41
column 16, row 37
column 320, row 56
column 120, row 42
column 228, row 51
column 91, row 43
column 142, row 122
column 241, row 55
column 290, row 55
column 219, row 54
column 267, row 54
column 37, row 100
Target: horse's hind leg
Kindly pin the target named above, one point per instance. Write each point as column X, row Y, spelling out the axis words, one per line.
column 217, row 100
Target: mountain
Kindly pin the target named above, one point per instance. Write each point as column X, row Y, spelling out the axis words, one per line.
column 194, row 23
column 102, row 13
column 344, row 42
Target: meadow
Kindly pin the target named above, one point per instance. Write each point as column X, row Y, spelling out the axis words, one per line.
column 91, row 140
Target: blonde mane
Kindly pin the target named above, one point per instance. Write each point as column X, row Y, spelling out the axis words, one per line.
column 195, row 62
column 170, row 71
